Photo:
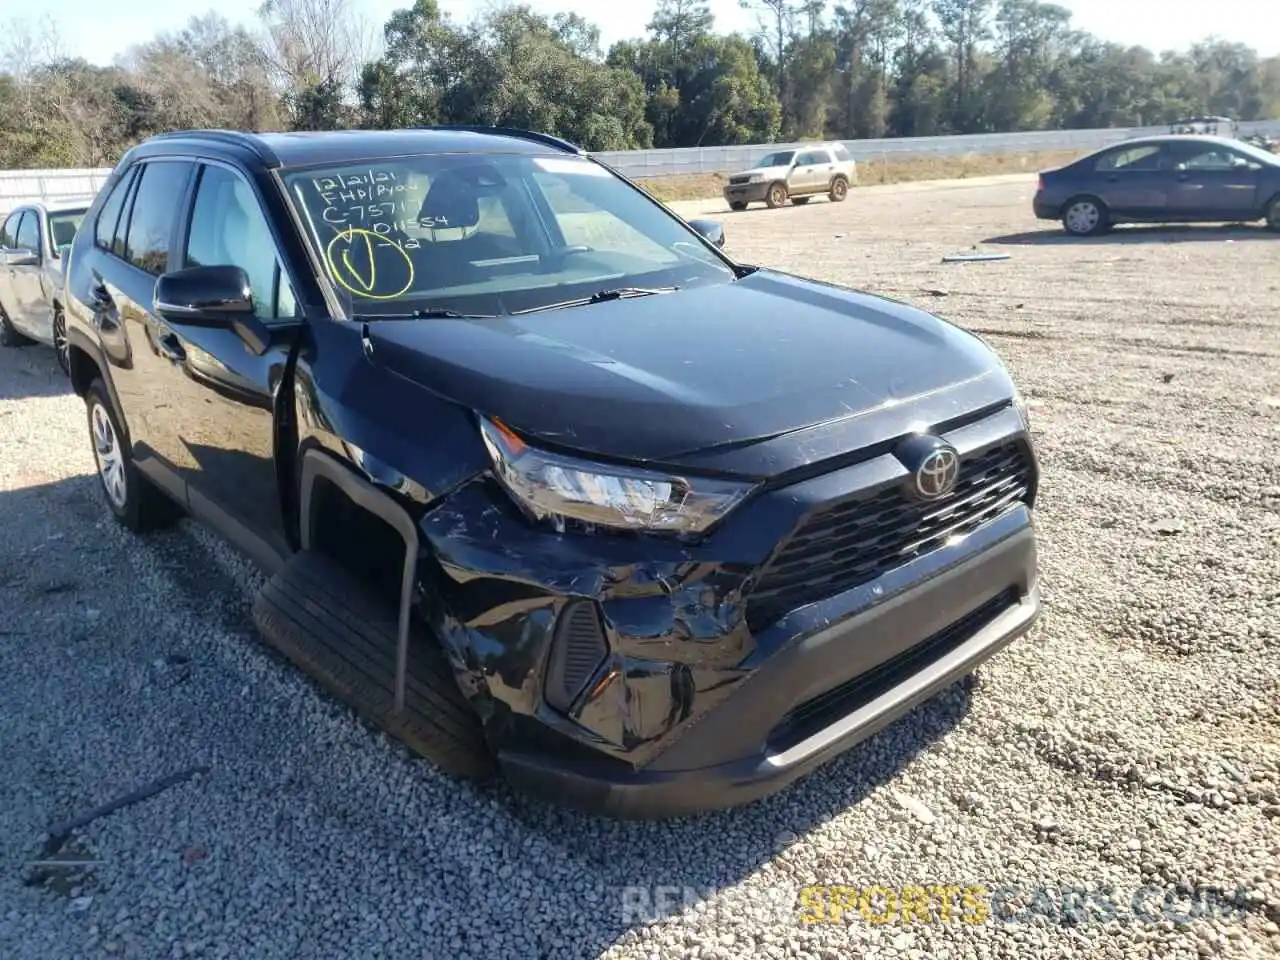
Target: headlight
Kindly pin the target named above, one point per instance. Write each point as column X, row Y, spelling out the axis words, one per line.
column 1020, row 403
column 756, row 178
column 556, row 488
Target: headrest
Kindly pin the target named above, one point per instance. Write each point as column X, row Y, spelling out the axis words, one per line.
column 452, row 201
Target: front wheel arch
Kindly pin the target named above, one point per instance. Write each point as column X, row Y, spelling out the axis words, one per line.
column 1271, row 211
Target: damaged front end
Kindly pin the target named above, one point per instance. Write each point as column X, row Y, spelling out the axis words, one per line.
column 596, row 644
column 585, row 600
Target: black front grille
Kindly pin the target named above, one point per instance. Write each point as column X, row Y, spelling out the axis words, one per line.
column 826, row 708
column 740, row 180
column 852, row 541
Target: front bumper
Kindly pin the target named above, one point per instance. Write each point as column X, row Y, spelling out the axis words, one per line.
column 819, row 695
column 746, row 192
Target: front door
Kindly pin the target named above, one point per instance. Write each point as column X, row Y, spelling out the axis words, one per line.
column 30, row 313
column 1134, row 181
column 1212, row 182
column 220, row 433
column 810, row 172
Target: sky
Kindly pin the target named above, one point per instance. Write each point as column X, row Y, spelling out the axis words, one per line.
column 1158, row 24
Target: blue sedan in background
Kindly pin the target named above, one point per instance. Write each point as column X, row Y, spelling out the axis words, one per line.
column 1171, row 179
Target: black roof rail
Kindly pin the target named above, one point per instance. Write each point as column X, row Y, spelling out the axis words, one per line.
column 237, row 138
column 543, row 138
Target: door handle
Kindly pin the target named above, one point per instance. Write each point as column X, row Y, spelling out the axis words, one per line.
column 170, row 348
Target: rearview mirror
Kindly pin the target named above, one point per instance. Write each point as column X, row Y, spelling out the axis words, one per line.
column 20, row 258
column 216, row 295
column 711, row 230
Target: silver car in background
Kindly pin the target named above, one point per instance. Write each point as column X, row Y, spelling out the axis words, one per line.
column 34, row 242
column 796, row 174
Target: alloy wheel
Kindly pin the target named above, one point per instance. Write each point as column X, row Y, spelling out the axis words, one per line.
column 110, row 458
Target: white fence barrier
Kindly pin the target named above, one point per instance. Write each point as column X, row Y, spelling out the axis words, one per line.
column 23, row 186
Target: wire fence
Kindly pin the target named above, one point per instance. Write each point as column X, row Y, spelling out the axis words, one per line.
column 25, row 186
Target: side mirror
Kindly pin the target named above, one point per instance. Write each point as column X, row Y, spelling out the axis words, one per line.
column 206, row 295
column 212, row 297
column 20, row 258
column 711, row 230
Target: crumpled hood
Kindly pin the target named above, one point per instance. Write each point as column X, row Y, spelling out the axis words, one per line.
column 656, row 378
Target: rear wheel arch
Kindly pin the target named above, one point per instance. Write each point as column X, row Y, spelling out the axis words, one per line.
column 84, row 367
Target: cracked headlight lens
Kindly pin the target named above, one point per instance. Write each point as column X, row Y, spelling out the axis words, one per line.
column 556, row 488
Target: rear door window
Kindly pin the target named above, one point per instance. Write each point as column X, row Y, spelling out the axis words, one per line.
column 1132, row 159
column 158, row 198
column 104, row 231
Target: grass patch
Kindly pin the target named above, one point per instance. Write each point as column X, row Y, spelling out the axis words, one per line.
column 881, row 169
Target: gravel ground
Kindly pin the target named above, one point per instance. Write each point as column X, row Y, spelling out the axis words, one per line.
column 1127, row 746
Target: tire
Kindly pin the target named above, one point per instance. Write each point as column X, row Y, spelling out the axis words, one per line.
column 61, row 348
column 738, row 205
column 134, row 500
column 800, row 201
column 776, row 196
column 1273, row 214
column 9, row 336
column 1085, row 217
column 839, row 190
column 336, row 630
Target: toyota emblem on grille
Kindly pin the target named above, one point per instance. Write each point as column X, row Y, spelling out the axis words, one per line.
column 936, row 477
column 933, row 466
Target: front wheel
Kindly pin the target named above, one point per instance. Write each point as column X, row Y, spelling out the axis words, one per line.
column 132, row 498
column 1085, row 217
column 1273, row 214
column 9, row 335
column 839, row 190
column 776, row 196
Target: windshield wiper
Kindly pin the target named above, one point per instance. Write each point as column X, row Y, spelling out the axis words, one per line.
column 601, row 296
column 431, row 313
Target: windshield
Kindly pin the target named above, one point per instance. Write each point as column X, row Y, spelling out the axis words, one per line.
column 63, row 226
column 1256, row 153
column 780, row 159
column 483, row 234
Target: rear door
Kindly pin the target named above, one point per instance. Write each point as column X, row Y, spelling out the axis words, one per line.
column 138, row 249
column 1212, row 182
column 1134, row 181
column 8, row 275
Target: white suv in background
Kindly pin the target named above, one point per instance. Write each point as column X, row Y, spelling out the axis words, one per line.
column 34, row 240
column 795, row 174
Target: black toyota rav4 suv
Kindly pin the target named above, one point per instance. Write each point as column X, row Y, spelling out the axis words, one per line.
column 543, row 480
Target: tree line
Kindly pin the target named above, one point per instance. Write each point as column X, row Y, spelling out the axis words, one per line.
column 813, row 68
